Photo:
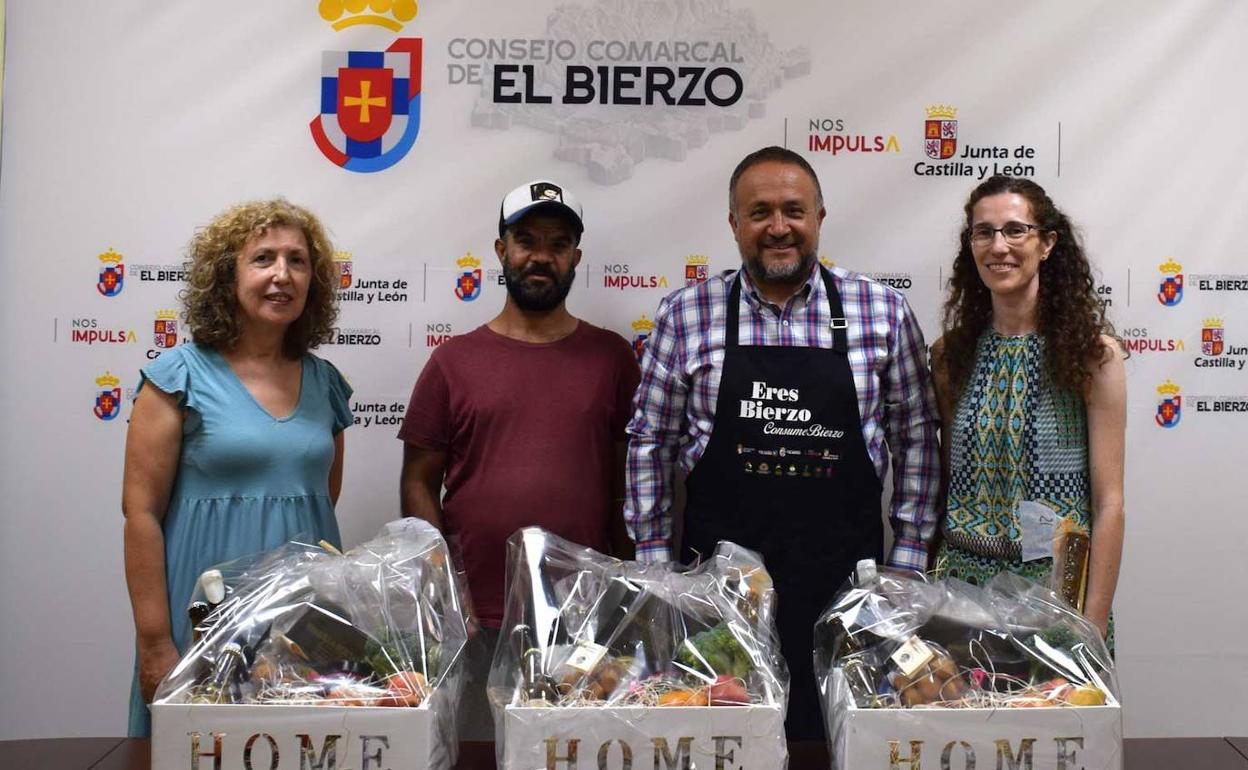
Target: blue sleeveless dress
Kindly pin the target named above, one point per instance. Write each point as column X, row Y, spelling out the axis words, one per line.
column 246, row 481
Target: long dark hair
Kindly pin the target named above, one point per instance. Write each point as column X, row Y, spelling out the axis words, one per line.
column 1070, row 317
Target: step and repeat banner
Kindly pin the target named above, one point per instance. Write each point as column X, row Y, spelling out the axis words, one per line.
column 128, row 124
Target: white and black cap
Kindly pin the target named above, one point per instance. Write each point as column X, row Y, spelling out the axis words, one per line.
column 543, row 195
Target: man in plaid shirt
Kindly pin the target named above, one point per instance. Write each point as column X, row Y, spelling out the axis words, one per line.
column 782, row 390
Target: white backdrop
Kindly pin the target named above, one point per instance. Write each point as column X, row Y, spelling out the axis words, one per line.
column 128, row 124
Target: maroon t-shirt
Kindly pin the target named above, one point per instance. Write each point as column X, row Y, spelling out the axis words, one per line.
column 529, row 430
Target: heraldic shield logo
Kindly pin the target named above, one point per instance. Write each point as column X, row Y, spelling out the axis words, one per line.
column 1169, row 409
column 468, row 281
column 696, row 269
column 1212, row 341
column 642, row 328
column 370, row 105
column 112, row 274
column 342, row 259
column 107, row 397
column 940, row 132
column 166, row 329
column 1171, row 291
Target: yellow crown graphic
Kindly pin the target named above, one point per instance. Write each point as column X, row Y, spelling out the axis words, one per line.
column 1171, row 267
column 942, row 112
column 1213, row 323
column 468, row 260
column 111, row 256
column 697, row 259
column 1168, row 388
column 107, row 380
column 391, row 14
column 166, row 315
column 342, row 256
column 643, row 324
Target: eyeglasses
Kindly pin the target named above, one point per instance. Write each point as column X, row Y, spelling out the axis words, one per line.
column 1014, row 232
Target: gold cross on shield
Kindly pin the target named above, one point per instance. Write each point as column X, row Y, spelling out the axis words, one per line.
column 363, row 101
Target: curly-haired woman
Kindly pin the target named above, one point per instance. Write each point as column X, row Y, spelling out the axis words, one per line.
column 1032, row 392
column 237, row 446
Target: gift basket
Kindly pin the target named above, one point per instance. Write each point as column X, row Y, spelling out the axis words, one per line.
column 365, row 644
column 626, row 657
column 903, row 661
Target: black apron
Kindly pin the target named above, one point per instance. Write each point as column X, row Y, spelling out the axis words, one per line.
column 787, row 473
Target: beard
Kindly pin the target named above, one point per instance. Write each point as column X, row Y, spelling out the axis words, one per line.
column 538, row 297
column 784, row 273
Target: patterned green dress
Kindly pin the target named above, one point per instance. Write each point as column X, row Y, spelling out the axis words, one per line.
column 1015, row 437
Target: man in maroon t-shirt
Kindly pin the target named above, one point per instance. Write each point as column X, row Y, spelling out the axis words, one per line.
column 523, row 422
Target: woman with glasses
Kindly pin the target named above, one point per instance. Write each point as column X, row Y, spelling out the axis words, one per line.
column 1032, row 392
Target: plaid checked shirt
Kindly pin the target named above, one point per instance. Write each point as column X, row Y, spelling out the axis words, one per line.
column 674, row 408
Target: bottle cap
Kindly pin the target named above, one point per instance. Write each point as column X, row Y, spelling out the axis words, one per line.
column 866, row 570
column 214, row 586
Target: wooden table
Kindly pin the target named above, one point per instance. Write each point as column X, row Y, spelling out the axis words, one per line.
column 133, row 754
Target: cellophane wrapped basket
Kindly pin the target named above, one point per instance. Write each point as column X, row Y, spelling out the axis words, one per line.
column 380, row 626
column 893, row 640
column 583, row 631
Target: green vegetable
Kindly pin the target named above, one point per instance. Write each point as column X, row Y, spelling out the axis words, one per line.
column 391, row 653
column 1060, row 636
column 715, row 652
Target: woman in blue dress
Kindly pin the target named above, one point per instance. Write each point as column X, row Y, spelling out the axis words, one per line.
column 236, row 446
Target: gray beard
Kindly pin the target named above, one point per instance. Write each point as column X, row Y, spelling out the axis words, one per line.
column 784, row 274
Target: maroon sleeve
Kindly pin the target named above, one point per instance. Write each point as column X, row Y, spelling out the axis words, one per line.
column 626, row 385
column 427, row 422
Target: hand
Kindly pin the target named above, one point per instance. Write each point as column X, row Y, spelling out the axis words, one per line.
column 154, row 664
column 1102, row 625
column 471, row 625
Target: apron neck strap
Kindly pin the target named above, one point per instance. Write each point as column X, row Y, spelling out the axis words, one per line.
column 840, row 340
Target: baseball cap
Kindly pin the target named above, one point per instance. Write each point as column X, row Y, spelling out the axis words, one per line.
column 540, row 194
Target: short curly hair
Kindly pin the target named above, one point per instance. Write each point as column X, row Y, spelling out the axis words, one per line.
column 210, row 299
column 1070, row 316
